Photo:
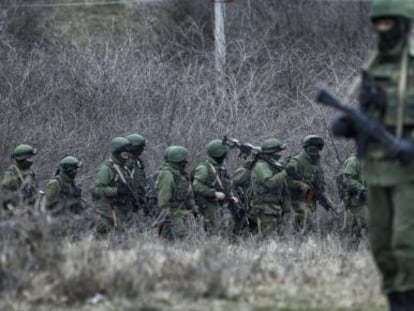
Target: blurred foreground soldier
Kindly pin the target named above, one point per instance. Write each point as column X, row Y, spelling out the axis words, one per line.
column 112, row 191
column 386, row 94
column 62, row 194
column 353, row 191
column 175, row 195
column 213, row 191
column 269, row 184
column 136, row 168
column 307, row 167
column 19, row 184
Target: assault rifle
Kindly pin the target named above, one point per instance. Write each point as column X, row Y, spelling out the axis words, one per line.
column 369, row 130
column 314, row 191
column 245, row 149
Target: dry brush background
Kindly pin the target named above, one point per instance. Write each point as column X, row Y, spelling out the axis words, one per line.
column 73, row 78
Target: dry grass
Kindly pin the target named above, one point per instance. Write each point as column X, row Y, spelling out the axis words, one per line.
column 141, row 272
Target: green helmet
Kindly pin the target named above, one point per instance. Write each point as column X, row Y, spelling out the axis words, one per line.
column 392, row 8
column 136, row 140
column 120, row 144
column 23, row 152
column 216, row 148
column 313, row 140
column 272, row 145
column 176, row 154
column 70, row 162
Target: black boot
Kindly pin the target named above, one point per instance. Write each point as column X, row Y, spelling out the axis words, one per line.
column 409, row 300
column 396, row 301
column 403, row 301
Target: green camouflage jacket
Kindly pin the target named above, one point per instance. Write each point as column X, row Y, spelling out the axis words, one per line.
column 174, row 189
column 62, row 194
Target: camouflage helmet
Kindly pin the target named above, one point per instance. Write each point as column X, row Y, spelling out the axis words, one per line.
column 176, row 154
column 216, row 148
column 272, row 145
column 70, row 162
column 392, row 8
column 136, row 140
column 120, row 144
column 22, row 152
column 313, row 140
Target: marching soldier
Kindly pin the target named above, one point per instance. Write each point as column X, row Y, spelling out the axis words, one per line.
column 175, row 195
column 213, row 190
column 307, row 165
column 19, row 184
column 112, row 191
column 62, row 195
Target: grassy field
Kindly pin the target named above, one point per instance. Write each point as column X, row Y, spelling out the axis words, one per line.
column 137, row 271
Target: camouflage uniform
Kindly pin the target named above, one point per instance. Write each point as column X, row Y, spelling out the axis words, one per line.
column 175, row 195
column 211, row 177
column 136, row 167
column 353, row 193
column 112, row 196
column 307, row 165
column 19, row 184
column 387, row 95
column 268, row 182
column 242, row 188
column 62, row 194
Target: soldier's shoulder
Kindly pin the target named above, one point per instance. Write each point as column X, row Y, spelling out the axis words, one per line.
column 53, row 183
column 12, row 169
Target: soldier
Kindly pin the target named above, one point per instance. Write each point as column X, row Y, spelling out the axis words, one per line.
column 213, row 191
column 112, row 191
column 137, row 170
column 241, row 183
column 19, row 183
column 62, row 194
column 353, row 191
column 269, row 183
column 307, row 165
column 386, row 95
column 175, row 195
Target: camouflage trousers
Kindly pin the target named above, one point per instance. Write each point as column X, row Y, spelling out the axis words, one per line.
column 391, row 234
column 175, row 225
column 217, row 219
column 304, row 217
column 117, row 221
column 269, row 219
column 358, row 219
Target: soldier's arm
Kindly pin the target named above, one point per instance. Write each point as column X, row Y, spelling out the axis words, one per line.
column 240, row 177
column 293, row 163
column 350, row 175
column 265, row 176
column 165, row 187
column 199, row 184
column 10, row 181
column 52, row 192
column 103, row 180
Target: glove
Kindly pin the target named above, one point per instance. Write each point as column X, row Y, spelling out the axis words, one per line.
column 123, row 190
column 362, row 196
column 406, row 152
column 304, row 187
column 342, row 126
